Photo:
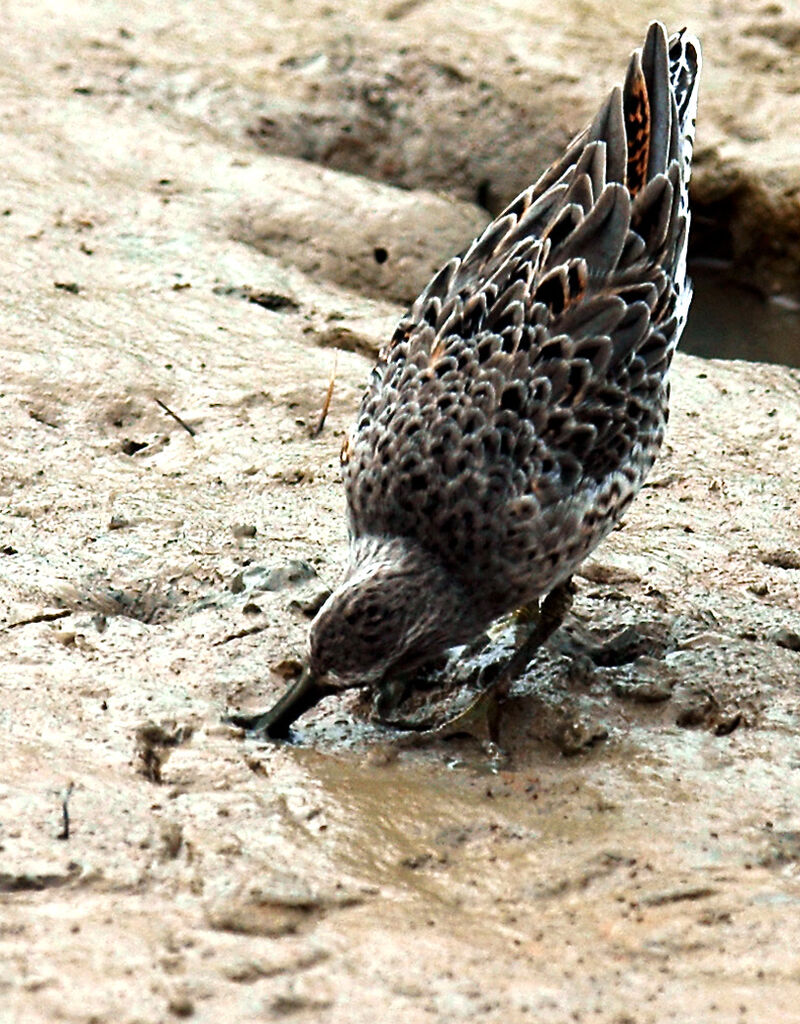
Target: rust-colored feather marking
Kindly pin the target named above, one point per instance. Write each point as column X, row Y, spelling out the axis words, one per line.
column 637, row 127
column 402, row 334
column 437, row 351
column 346, row 450
column 563, row 287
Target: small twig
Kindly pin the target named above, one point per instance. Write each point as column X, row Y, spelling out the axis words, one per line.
column 317, row 430
column 41, row 617
column 64, row 833
column 176, row 417
column 240, row 634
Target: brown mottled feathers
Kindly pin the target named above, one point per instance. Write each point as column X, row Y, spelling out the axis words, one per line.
column 522, row 399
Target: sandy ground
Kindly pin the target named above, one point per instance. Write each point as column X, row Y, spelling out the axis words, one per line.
column 637, row 858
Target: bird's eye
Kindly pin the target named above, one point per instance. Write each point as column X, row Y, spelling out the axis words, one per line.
column 372, row 613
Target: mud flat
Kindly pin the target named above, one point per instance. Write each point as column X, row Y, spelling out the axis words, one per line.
column 636, row 860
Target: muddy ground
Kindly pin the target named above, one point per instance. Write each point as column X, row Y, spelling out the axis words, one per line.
column 636, row 859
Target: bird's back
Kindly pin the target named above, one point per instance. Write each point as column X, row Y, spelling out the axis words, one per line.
column 523, row 398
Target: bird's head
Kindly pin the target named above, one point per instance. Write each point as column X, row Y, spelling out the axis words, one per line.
column 397, row 608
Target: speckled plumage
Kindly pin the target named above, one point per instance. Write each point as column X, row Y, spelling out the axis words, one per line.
column 523, row 398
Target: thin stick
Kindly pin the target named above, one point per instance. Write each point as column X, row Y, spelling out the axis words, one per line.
column 64, row 833
column 42, row 617
column 317, row 430
column 176, row 417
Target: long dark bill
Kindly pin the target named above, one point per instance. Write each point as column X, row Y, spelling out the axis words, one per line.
column 304, row 694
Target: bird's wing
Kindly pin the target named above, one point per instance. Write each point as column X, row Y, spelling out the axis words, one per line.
column 577, row 293
column 534, row 364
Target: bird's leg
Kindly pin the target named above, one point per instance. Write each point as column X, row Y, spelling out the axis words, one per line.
column 394, row 689
column 390, row 695
column 540, row 626
column 481, row 717
column 526, row 619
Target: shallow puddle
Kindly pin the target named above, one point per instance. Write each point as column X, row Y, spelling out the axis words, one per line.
column 728, row 321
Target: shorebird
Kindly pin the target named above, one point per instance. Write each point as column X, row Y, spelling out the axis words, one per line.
column 521, row 402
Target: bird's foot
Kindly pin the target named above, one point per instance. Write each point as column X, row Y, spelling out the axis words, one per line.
column 479, row 720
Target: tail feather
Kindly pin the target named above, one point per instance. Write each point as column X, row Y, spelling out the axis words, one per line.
column 648, row 123
column 609, row 127
column 638, row 127
column 685, row 64
column 655, row 69
column 617, row 201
